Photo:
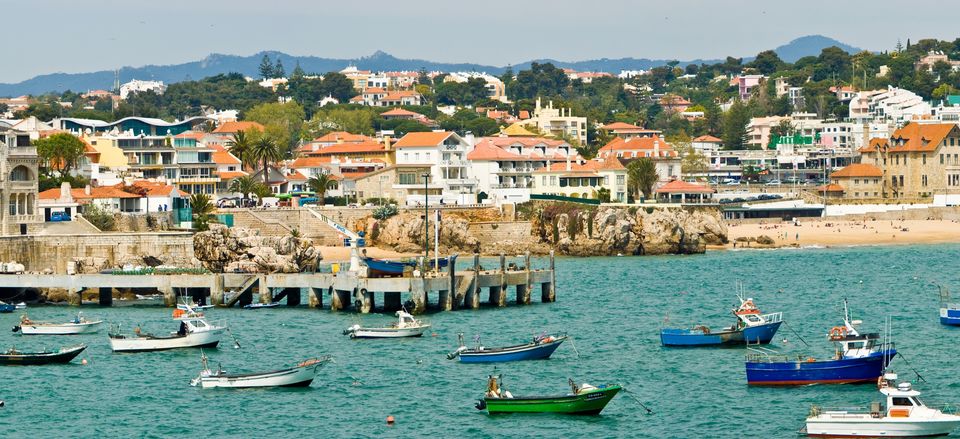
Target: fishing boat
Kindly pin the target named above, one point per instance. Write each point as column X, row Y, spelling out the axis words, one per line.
column 186, row 303
column 261, row 305
column 540, row 348
column 13, row 357
column 949, row 311
column 583, row 399
column 904, row 415
column 7, row 307
column 79, row 325
column 751, row 327
column 406, row 326
column 859, row 358
column 194, row 332
column 300, row 375
column 383, row 267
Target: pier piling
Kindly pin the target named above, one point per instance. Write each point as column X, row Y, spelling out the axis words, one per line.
column 367, row 301
column 315, row 297
column 216, row 293
column 418, row 296
column 473, row 295
column 338, row 299
column 548, row 292
column 106, row 296
column 392, row 301
column 169, row 296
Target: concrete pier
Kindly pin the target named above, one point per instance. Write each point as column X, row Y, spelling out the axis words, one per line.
column 454, row 289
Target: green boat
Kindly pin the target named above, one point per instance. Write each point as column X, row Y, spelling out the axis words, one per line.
column 585, row 400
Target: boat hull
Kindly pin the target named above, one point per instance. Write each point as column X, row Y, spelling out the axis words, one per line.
column 791, row 373
column 6, row 307
column 205, row 339
column 950, row 316
column 293, row 377
column 761, row 334
column 27, row 359
column 513, row 353
column 587, row 403
column 388, row 332
column 865, row 426
column 60, row 329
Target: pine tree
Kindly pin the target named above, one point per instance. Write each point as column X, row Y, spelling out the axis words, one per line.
column 266, row 67
column 297, row 71
column 278, row 71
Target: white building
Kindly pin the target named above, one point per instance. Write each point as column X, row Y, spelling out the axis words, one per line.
column 893, row 105
column 558, row 122
column 504, row 166
column 495, row 87
column 137, row 86
column 446, row 154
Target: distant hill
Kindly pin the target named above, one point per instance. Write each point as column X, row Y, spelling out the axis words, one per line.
column 215, row 64
column 810, row 45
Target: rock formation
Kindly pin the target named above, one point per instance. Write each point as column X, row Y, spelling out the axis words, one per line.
column 222, row 249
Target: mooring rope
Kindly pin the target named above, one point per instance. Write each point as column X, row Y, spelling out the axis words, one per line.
column 795, row 333
column 630, row 394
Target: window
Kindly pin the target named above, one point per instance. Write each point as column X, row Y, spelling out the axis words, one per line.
column 856, row 194
column 941, row 159
column 901, row 180
column 553, row 180
column 897, row 159
column 924, row 157
column 924, row 180
column 621, row 179
column 856, row 181
column 20, row 173
column 543, row 180
column 902, row 401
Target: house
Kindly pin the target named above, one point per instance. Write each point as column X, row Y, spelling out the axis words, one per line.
column 746, row 83
column 357, row 76
column 674, row 104
column 758, row 130
column 895, row 105
column 917, row 160
column 402, row 97
column 333, row 138
column 19, row 182
column 859, row 181
column 226, row 130
column 445, row 152
column 276, row 179
column 706, row 145
column 844, row 93
column 137, row 86
column 402, row 114
column 628, row 131
column 107, row 198
column 679, row 191
column 928, row 61
column 155, row 197
column 402, row 183
column 495, row 88
column 504, row 165
column 663, row 155
column 583, row 179
column 557, row 122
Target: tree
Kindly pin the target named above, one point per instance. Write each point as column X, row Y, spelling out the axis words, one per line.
column 278, row 71
column 320, row 183
column 781, row 129
column 541, row 80
column 766, row 62
column 297, row 71
column 735, row 126
column 240, row 145
column 282, row 122
column 202, row 211
column 261, row 191
column 338, row 86
column 266, row 67
column 325, row 120
column 60, row 152
column 642, row 176
column 265, row 150
column 423, row 77
column 244, row 184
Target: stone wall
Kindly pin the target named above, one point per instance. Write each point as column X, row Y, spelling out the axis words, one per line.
column 38, row 253
column 498, row 231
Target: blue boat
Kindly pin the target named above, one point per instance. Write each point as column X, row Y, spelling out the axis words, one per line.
column 540, row 348
column 7, row 307
column 384, row 267
column 860, row 358
column 949, row 312
column 751, row 327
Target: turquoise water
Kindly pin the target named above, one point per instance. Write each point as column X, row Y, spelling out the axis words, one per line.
column 612, row 306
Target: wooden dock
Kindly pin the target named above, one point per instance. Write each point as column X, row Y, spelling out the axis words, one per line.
column 453, row 289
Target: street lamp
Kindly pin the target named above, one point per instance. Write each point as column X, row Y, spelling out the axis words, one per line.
column 426, row 219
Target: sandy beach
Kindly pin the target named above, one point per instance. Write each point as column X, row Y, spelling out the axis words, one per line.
column 844, row 233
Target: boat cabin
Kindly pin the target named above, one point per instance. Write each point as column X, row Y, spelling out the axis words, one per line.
column 748, row 315
column 902, row 400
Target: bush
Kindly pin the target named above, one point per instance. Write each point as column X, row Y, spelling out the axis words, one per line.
column 383, row 212
column 100, row 218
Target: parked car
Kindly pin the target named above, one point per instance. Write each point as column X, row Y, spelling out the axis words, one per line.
column 56, row 217
column 773, row 183
column 731, row 182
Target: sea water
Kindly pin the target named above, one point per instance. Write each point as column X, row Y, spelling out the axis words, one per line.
column 613, row 308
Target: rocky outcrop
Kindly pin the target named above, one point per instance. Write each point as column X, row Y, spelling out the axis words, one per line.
column 570, row 230
column 222, row 249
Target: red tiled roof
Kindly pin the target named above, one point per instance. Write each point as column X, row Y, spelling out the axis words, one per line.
column 683, row 187
column 486, row 150
column 102, row 192
column 832, row 187
column 432, row 138
column 524, row 114
column 232, row 127
column 858, row 170
column 190, row 135
column 154, row 189
column 296, row 176
column 230, row 175
column 707, row 139
column 347, row 148
column 343, row 136
column 914, row 137
column 225, row 158
column 616, row 126
column 645, row 145
column 400, row 112
column 309, row 162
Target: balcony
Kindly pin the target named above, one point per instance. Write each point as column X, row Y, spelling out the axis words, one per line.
column 512, row 186
column 454, row 163
column 520, row 170
column 464, row 181
column 23, row 151
column 197, row 179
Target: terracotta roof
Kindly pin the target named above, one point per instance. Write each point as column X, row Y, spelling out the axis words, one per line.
column 858, row 170
column 517, row 130
column 400, row 112
column 914, row 137
column 620, row 126
column 575, row 167
column 683, row 187
column 343, row 136
column 347, row 148
column 708, row 139
column 523, row 114
column 610, row 164
column 225, row 158
column 352, row 175
column 95, row 193
column 310, row 162
column 232, row 127
column 373, row 90
column 644, row 145
column 230, row 175
column 296, row 176
column 486, row 150
column 832, row 187
column 190, row 135
column 432, row 138
column 154, row 189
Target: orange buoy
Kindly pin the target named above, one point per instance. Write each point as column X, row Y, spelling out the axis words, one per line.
column 390, row 420
column 83, row 361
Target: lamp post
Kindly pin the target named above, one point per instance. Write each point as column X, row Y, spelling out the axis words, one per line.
column 426, row 219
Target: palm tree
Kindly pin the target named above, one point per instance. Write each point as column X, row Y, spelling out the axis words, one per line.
column 202, row 210
column 261, row 191
column 242, row 185
column 265, row 150
column 642, row 175
column 320, row 183
column 240, row 146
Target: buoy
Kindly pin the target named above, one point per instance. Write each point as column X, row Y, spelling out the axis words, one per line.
column 2, row 403
column 389, row 420
column 434, row 334
column 83, row 361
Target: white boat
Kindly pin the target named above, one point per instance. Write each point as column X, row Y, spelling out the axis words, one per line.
column 149, row 296
column 79, row 325
column 300, row 375
column 187, row 304
column 406, row 326
column 21, row 305
column 261, row 305
column 194, row 332
column 905, row 415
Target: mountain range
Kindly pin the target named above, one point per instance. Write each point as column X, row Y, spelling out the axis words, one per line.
column 379, row 61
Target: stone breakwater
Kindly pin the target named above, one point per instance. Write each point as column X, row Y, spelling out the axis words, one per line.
column 222, row 249
column 565, row 228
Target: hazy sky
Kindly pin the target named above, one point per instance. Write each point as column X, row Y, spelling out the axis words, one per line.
column 48, row 36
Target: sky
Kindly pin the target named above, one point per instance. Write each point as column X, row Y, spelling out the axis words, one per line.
column 50, row 36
